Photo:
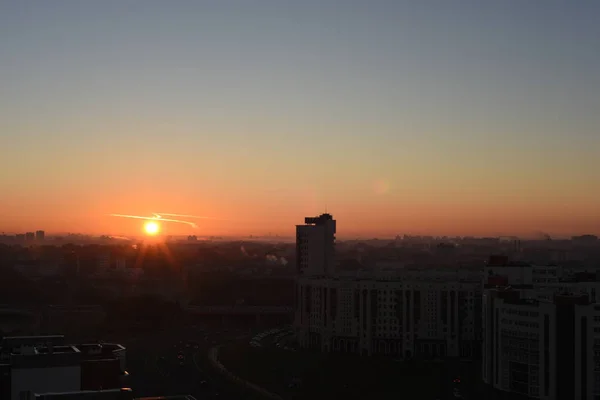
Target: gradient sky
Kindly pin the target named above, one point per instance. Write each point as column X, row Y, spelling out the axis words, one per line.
column 443, row 117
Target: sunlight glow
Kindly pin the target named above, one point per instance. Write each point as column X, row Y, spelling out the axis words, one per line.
column 151, row 228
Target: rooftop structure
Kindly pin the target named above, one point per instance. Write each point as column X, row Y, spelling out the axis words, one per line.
column 43, row 364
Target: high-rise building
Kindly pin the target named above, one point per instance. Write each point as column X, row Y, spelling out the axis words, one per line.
column 40, row 236
column 405, row 313
column 315, row 246
column 30, row 236
column 541, row 349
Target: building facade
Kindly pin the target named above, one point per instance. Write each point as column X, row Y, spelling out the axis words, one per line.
column 541, row 349
column 412, row 315
column 315, row 246
column 399, row 312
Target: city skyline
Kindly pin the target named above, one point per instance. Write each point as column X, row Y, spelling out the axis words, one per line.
column 422, row 118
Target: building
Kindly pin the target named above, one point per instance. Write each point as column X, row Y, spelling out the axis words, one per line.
column 315, row 246
column 541, row 349
column 40, row 236
column 30, row 236
column 34, row 365
column 521, row 273
column 400, row 312
column 411, row 313
column 103, row 262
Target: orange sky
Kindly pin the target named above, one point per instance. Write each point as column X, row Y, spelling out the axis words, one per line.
column 371, row 212
column 396, row 118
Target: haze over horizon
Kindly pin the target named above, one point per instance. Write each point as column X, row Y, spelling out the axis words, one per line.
column 447, row 118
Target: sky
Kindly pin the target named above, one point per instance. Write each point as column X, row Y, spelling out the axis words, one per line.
column 422, row 117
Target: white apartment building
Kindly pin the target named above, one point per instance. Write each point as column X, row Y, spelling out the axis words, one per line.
column 548, row 290
column 541, row 349
column 415, row 315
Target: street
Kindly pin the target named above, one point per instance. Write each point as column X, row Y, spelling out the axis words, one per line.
column 173, row 362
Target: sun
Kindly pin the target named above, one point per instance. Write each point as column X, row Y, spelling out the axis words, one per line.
column 151, row 228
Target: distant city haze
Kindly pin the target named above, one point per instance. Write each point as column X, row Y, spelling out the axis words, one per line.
column 423, row 117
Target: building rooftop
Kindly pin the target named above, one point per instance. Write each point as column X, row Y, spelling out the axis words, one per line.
column 50, row 351
column 9, row 342
column 111, row 394
column 321, row 219
column 99, row 350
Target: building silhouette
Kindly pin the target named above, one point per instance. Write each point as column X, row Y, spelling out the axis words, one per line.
column 400, row 312
column 315, row 245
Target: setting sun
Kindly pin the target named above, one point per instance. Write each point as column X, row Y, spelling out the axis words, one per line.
column 151, row 228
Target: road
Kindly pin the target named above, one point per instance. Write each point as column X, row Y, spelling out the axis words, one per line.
column 262, row 392
column 173, row 362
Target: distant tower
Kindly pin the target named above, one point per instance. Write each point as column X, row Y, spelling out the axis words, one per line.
column 40, row 236
column 30, row 236
column 315, row 246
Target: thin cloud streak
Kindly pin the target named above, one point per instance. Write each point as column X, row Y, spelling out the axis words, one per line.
column 156, row 217
column 159, row 215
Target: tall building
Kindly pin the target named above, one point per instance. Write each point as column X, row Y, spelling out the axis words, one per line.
column 315, row 246
column 30, row 236
column 541, row 349
column 40, row 236
column 402, row 312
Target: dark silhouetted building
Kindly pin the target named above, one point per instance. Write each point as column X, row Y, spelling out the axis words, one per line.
column 315, row 246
